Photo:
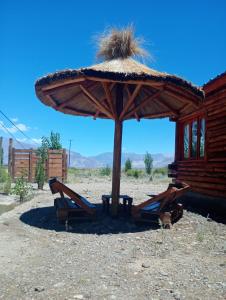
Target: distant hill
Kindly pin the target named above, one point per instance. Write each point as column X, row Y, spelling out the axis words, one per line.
column 103, row 159
column 100, row 160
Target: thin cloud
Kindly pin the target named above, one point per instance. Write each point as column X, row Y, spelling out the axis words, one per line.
column 14, row 120
column 12, row 129
column 29, row 141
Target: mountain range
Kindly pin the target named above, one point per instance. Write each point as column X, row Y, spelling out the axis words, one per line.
column 101, row 160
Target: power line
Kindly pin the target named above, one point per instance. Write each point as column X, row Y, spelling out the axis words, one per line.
column 25, row 135
column 1, row 124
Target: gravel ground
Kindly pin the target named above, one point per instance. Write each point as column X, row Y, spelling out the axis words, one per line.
column 109, row 259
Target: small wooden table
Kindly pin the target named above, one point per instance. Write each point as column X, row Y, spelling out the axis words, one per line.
column 127, row 202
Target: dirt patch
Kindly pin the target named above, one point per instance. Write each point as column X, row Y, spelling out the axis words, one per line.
column 40, row 260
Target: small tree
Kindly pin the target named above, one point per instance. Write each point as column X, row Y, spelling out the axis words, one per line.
column 148, row 161
column 22, row 188
column 128, row 164
column 42, row 153
column 53, row 143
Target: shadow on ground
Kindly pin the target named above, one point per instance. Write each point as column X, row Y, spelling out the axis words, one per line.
column 45, row 218
column 209, row 207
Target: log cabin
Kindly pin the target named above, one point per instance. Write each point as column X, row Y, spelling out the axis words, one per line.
column 200, row 144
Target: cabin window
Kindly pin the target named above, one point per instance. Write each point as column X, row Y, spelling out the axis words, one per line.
column 186, row 141
column 202, row 137
column 194, row 139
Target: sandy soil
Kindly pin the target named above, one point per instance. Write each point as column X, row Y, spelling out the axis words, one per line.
column 109, row 259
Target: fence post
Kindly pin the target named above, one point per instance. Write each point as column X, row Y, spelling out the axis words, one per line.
column 30, row 166
column 10, row 156
column 64, row 165
column 47, row 165
column 1, row 152
column 13, row 164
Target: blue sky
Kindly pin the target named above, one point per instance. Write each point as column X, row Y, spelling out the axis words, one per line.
column 187, row 38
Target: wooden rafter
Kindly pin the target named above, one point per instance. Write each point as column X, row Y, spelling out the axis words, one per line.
column 163, row 103
column 133, row 105
column 100, row 106
column 146, row 99
column 135, row 82
column 185, row 107
column 77, row 112
column 181, row 97
column 96, row 115
column 50, row 99
column 69, row 100
column 130, row 101
column 166, row 105
column 109, row 98
column 186, row 93
column 59, row 86
column 158, row 115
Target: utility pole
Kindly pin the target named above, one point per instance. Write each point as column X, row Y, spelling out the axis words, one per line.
column 1, row 152
column 69, row 155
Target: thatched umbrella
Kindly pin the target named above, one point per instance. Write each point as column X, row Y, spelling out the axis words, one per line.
column 119, row 88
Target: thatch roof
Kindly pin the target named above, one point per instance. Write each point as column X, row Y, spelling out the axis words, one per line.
column 121, row 70
column 92, row 91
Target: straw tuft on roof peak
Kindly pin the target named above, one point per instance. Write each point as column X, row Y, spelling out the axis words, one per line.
column 119, row 44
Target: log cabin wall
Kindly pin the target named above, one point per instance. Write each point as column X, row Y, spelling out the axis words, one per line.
column 205, row 168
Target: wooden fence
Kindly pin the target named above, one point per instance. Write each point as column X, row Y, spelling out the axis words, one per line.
column 23, row 162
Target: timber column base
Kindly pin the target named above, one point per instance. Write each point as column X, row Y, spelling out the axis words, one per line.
column 116, row 171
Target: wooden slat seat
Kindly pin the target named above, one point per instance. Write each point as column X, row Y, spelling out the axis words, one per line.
column 163, row 206
column 74, row 205
column 151, row 207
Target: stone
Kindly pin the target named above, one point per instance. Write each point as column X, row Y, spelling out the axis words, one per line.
column 39, row 289
column 79, row 296
column 145, row 265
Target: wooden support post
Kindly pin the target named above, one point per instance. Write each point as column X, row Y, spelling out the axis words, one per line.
column 116, row 172
column 1, row 152
column 176, row 155
column 10, row 151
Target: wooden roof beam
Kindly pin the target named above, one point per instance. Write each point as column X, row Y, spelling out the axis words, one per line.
column 53, row 102
column 109, row 98
column 133, row 104
column 100, row 106
column 130, row 101
column 181, row 97
column 146, row 99
column 77, row 112
column 96, row 115
column 159, row 115
column 163, row 103
column 59, row 86
column 166, row 105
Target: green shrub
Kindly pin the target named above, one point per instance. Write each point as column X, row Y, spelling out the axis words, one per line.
column 3, row 174
column 134, row 173
column 7, row 186
column 128, row 165
column 40, row 176
column 161, row 171
column 22, row 189
column 106, row 171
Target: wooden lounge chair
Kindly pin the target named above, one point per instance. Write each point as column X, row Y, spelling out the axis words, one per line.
column 73, row 206
column 163, row 206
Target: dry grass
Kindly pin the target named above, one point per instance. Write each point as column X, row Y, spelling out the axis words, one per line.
column 119, row 43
